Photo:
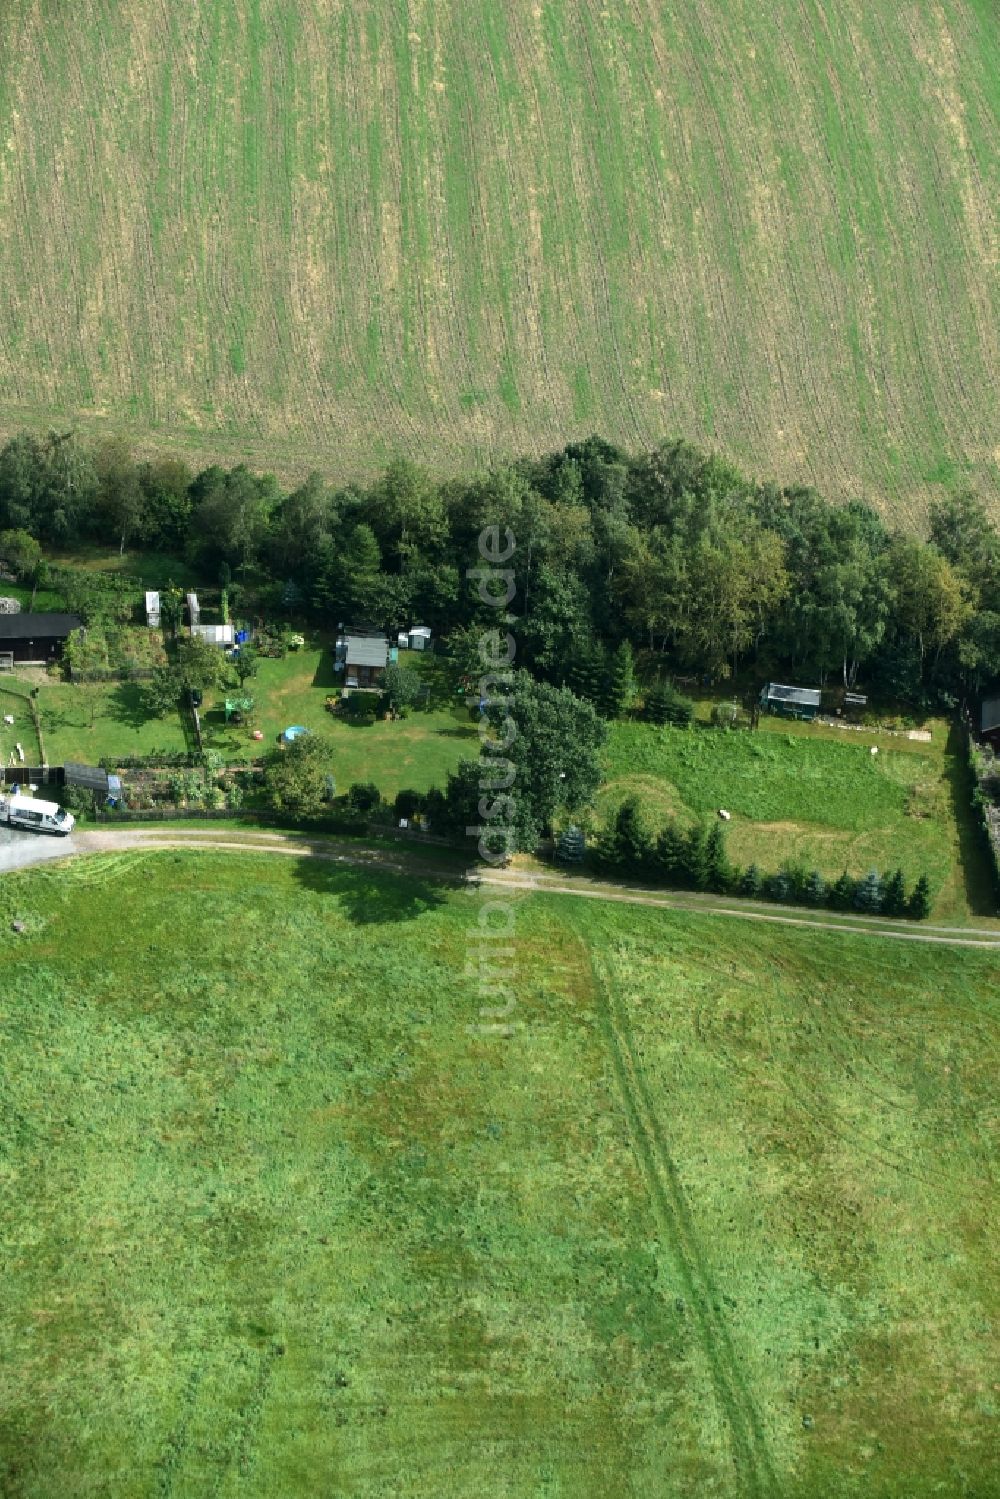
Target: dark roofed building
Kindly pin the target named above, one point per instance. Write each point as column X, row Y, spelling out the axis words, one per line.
column 34, row 638
column 86, row 777
column 103, row 785
column 791, row 702
column 989, row 720
column 366, row 658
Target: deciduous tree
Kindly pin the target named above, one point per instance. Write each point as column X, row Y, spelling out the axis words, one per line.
column 297, row 776
column 552, row 741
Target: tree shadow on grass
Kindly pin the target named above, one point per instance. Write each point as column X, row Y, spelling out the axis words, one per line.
column 439, row 676
column 217, row 734
column 355, row 720
column 374, row 896
column 55, row 719
column 972, row 852
column 325, row 676
column 127, row 706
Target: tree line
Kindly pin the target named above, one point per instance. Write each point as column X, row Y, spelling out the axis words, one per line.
column 672, row 551
column 695, row 858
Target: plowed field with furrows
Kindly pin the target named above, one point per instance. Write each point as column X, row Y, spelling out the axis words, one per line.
column 322, row 234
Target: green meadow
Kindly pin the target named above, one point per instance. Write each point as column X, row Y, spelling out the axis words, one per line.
column 717, row 1216
column 816, row 798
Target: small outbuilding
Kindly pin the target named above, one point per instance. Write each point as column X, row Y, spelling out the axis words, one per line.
column 420, row 638
column 791, row 702
column 365, row 656
column 989, row 720
column 104, row 785
column 153, row 610
column 194, row 609
column 34, row 639
column 86, row 777
column 221, row 635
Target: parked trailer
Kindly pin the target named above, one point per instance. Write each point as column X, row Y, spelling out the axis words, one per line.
column 36, row 816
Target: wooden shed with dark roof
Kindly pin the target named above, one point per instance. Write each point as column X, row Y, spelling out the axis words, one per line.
column 34, row 639
column 791, row 702
column 989, row 720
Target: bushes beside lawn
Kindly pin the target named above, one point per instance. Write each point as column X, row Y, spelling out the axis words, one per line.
column 695, row 858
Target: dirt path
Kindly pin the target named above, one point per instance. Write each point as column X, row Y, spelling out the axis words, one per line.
column 687, row 1264
column 32, row 850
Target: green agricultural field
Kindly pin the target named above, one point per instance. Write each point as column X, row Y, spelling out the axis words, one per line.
column 717, row 1217
column 815, row 797
column 319, row 234
column 46, row 601
column 158, row 570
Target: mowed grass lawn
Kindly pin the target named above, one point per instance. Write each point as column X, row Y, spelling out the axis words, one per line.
column 417, row 751
column 102, row 720
column 815, row 797
column 89, row 722
column 14, row 705
column 324, row 234
column 717, row 1217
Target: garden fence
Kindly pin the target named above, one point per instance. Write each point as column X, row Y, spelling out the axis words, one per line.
column 83, row 677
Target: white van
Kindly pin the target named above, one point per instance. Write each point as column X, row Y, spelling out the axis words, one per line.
column 39, row 817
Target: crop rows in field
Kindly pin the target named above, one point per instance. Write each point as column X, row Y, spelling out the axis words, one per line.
column 326, row 233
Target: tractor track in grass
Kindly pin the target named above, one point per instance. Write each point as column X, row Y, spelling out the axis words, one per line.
column 31, row 850
column 651, row 1149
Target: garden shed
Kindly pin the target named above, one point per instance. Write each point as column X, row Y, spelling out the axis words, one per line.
column 86, row 777
column 791, row 702
column 194, row 609
column 221, row 635
column 153, row 609
column 420, row 638
column 365, row 658
column 104, row 785
column 989, row 720
column 34, row 639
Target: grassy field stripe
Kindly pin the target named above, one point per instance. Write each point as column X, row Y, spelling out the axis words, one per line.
column 176, row 1445
column 753, row 1464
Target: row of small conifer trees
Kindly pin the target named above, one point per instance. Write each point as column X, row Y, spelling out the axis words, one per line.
column 695, row 858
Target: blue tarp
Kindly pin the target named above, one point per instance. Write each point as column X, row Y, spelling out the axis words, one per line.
column 294, row 732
